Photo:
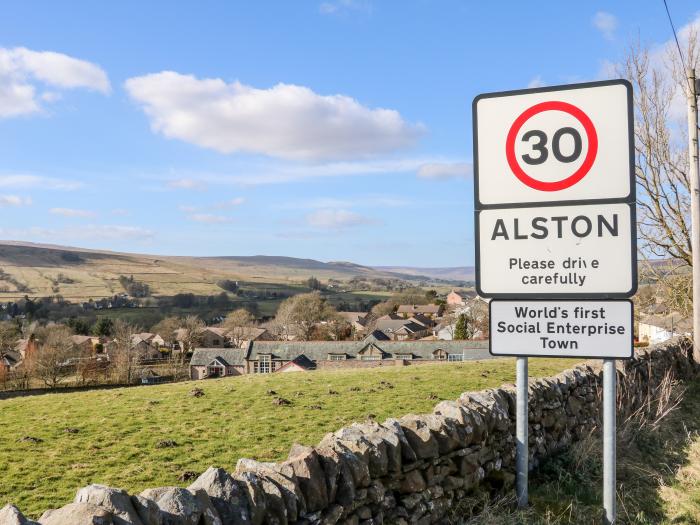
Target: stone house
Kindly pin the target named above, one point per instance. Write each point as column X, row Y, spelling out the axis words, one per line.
column 428, row 310
column 217, row 362
column 457, row 298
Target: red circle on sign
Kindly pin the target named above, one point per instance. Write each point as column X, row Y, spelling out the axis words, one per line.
column 572, row 179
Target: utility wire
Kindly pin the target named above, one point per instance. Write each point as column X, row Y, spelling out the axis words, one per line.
column 675, row 36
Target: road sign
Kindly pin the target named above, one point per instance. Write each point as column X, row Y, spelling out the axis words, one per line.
column 570, row 143
column 554, row 197
column 590, row 329
column 586, row 251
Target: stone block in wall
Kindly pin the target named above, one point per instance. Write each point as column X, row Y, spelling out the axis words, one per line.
column 306, row 465
column 10, row 515
column 78, row 514
column 117, row 501
column 419, row 436
column 226, row 494
column 353, row 455
column 180, row 506
column 285, row 485
column 408, row 455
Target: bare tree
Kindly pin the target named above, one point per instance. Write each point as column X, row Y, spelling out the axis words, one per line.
column 299, row 315
column 123, row 355
column 237, row 325
column 167, row 329
column 53, row 362
column 661, row 149
column 190, row 334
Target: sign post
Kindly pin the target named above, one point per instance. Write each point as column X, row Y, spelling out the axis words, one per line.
column 555, row 225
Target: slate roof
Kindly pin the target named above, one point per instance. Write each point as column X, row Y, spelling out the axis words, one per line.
column 319, row 350
column 232, row 356
column 418, row 309
column 377, row 335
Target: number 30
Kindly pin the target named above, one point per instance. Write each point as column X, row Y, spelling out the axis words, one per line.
column 541, row 146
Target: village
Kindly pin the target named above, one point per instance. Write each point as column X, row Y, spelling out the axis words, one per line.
column 307, row 334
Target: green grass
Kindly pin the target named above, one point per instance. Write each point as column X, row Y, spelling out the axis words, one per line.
column 119, row 429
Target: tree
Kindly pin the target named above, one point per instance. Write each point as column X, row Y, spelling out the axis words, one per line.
column 237, row 324
column 472, row 322
column 167, row 329
column 123, row 356
column 301, row 313
column 79, row 326
column 103, row 327
column 190, row 334
column 52, row 363
column 313, row 283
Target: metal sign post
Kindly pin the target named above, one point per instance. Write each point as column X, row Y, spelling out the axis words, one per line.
column 609, row 441
column 555, row 225
column 522, row 455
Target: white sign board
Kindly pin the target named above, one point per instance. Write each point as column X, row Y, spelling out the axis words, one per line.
column 554, row 192
column 557, row 251
column 567, row 143
column 590, row 329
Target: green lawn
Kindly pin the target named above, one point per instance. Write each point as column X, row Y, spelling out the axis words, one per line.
column 118, row 430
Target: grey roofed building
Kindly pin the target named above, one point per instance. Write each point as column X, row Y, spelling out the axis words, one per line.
column 427, row 309
column 231, row 356
column 320, row 350
column 377, row 335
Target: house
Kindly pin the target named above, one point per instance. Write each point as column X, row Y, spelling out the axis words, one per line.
column 429, row 310
column 213, row 337
column 357, row 320
column 660, row 328
column 266, row 357
column 85, row 344
column 458, row 298
column 398, row 328
column 300, row 363
column 217, row 362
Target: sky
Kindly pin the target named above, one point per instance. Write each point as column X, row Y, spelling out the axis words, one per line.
column 332, row 130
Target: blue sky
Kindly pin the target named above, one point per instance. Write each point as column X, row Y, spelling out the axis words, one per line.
column 337, row 130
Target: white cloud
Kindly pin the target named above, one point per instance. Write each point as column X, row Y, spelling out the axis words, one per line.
column 121, row 212
column 270, row 172
column 186, row 184
column 328, row 218
column 285, row 121
column 209, row 218
column 342, row 6
column 361, row 201
column 7, row 201
column 23, row 72
column 231, row 203
column 88, row 232
column 71, row 212
column 606, row 23
column 444, row 171
column 536, row 82
column 38, row 182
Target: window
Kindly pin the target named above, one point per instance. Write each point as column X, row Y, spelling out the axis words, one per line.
column 370, row 358
column 440, row 355
column 337, row 357
column 264, row 365
column 455, row 357
column 215, row 342
column 404, row 356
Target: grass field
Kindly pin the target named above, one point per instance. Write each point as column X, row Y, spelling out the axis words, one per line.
column 118, row 430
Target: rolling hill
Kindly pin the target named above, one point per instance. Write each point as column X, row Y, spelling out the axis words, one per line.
column 79, row 274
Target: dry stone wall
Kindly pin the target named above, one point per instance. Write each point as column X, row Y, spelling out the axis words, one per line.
column 409, row 470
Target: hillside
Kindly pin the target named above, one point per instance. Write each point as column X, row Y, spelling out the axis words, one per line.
column 114, row 433
column 455, row 273
column 80, row 274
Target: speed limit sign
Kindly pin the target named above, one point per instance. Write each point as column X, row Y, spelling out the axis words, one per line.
column 564, row 143
column 554, row 192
